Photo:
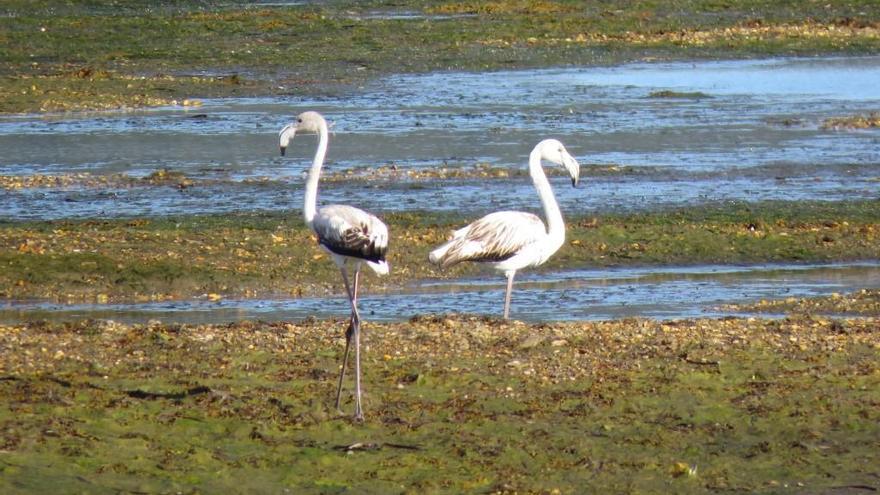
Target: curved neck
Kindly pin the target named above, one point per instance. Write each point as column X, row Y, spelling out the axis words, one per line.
column 555, row 225
column 311, row 195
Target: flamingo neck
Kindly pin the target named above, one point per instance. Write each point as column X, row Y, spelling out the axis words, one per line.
column 311, row 195
column 555, row 224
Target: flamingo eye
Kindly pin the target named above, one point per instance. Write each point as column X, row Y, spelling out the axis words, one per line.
column 299, row 121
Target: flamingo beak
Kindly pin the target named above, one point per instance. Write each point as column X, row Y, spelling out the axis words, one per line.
column 285, row 136
column 573, row 168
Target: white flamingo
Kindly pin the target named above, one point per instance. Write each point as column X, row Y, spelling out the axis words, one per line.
column 346, row 233
column 511, row 240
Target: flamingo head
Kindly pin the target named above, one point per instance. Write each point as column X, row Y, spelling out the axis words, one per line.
column 306, row 122
column 553, row 151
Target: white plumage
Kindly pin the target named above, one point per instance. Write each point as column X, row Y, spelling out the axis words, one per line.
column 346, row 233
column 512, row 240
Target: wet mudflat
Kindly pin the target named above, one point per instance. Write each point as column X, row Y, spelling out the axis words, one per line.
column 712, row 188
column 237, row 264
column 571, row 295
column 652, row 137
column 135, row 55
column 453, row 404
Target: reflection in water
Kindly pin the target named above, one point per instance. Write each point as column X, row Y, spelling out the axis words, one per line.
column 572, row 295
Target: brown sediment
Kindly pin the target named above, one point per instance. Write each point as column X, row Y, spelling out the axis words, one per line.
column 390, row 172
column 866, row 121
column 161, row 177
column 863, row 302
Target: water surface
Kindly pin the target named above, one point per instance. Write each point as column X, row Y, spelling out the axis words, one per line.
column 590, row 294
column 741, row 130
column 755, row 134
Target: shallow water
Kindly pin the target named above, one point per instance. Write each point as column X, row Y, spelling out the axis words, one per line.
column 756, row 135
column 594, row 294
column 752, row 133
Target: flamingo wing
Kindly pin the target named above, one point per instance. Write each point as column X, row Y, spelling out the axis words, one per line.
column 495, row 237
column 349, row 231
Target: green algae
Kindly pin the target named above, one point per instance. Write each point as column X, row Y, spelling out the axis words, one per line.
column 252, row 255
column 75, row 56
column 634, row 406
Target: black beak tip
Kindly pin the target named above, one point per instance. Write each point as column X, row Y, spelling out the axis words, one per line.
column 283, row 150
column 574, row 182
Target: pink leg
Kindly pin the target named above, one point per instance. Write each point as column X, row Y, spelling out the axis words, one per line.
column 353, row 330
column 507, row 294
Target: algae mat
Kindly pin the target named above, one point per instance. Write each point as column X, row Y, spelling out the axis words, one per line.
column 60, row 56
column 264, row 255
column 454, row 404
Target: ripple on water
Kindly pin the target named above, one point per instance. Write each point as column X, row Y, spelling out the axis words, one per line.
column 598, row 294
column 761, row 115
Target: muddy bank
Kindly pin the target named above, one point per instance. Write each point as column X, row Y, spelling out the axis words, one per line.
column 864, row 302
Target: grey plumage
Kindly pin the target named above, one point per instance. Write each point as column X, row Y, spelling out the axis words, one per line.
column 352, row 232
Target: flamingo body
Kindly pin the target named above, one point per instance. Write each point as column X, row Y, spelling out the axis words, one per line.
column 511, row 240
column 347, row 233
column 352, row 233
column 508, row 240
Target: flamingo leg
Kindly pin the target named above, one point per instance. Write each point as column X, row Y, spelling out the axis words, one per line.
column 358, row 410
column 510, row 275
column 353, row 330
column 348, row 333
column 353, row 324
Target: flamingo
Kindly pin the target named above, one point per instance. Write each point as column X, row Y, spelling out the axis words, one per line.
column 511, row 240
column 347, row 234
